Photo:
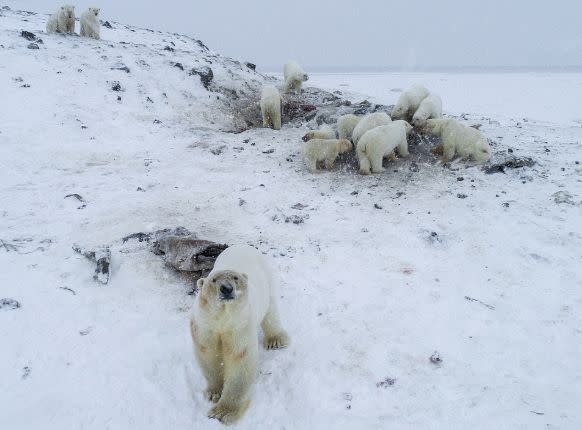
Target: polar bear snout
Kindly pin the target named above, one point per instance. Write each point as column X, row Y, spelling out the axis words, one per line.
column 226, row 291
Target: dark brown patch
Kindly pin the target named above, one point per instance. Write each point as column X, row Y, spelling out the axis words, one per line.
column 437, row 150
column 240, row 355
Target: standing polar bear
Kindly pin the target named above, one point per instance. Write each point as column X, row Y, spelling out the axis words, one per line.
column 294, row 76
column 238, row 295
column 90, row 25
column 369, row 122
column 346, row 125
column 325, row 150
column 324, row 132
column 408, row 102
column 381, row 142
column 271, row 107
column 62, row 21
column 458, row 139
column 430, row 107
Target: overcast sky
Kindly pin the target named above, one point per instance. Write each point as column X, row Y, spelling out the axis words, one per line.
column 406, row 34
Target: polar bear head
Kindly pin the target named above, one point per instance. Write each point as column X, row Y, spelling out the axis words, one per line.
column 94, row 10
column 69, row 11
column 222, row 290
column 399, row 112
column 345, row 146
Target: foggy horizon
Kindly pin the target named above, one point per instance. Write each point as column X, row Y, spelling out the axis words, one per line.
column 328, row 36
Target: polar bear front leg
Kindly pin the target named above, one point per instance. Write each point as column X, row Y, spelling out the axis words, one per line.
column 448, row 149
column 329, row 161
column 274, row 337
column 240, row 373
column 403, row 148
column 210, row 360
column 376, row 163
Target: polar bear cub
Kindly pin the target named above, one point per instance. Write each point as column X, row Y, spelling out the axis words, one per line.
column 458, row 139
column 62, row 21
column 325, row 150
column 369, row 122
column 235, row 298
column 430, row 107
column 408, row 102
column 271, row 107
column 90, row 25
column 324, row 132
column 381, row 142
column 346, row 125
column 294, row 76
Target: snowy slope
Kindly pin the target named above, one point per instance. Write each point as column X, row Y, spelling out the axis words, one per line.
column 374, row 280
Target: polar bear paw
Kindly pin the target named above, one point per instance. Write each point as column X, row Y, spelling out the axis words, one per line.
column 213, row 394
column 276, row 340
column 226, row 414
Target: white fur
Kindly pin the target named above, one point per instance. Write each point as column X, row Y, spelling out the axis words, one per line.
column 430, row 107
column 62, row 21
column 325, row 150
column 271, row 107
column 460, row 140
column 381, row 142
column 346, row 125
column 408, row 102
column 369, row 122
column 294, row 77
column 225, row 332
column 324, row 132
column 90, row 25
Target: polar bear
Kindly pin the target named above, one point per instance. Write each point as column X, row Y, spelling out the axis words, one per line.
column 294, row 76
column 325, row 150
column 236, row 296
column 271, row 107
column 458, row 139
column 90, row 25
column 381, row 142
column 408, row 102
column 62, row 21
column 369, row 122
column 324, row 132
column 430, row 107
column 346, row 125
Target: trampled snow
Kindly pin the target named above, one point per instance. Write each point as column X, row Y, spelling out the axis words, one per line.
column 378, row 273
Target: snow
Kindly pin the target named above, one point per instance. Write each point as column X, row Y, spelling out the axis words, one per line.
column 374, row 280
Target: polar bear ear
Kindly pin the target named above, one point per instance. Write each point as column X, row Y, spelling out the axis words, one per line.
column 200, row 283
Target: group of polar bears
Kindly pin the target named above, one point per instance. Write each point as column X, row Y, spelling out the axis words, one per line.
column 63, row 21
column 378, row 135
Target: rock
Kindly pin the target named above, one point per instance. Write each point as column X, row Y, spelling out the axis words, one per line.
column 9, row 304
column 461, row 196
column 187, row 253
column 116, row 86
column 563, row 197
column 377, row 206
column 107, row 24
column 102, row 258
column 28, row 35
column 79, row 198
column 178, row 65
column 509, row 163
column 296, row 219
column 205, row 73
column 123, row 68
column 251, row 66
column 386, row 382
column 169, row 48
column 435, row 358
column 33, row 46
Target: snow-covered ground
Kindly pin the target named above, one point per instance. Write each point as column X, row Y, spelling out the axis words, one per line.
column 383, row 271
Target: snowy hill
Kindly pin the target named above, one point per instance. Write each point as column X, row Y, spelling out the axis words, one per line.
column 377, row 272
